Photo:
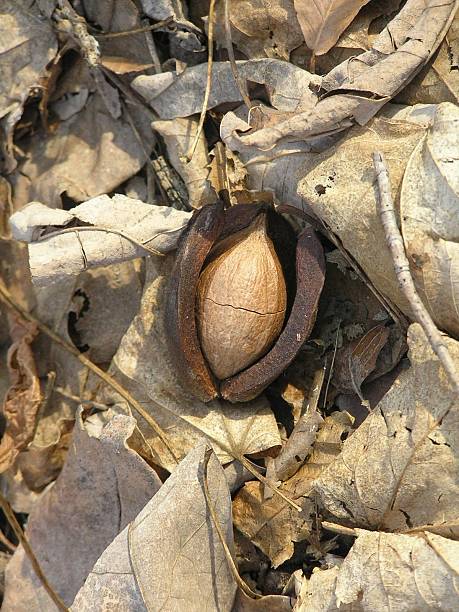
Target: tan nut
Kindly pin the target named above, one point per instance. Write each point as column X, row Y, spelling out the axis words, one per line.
column 241, row 300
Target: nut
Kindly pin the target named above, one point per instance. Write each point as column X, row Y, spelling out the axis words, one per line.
column 237, row 310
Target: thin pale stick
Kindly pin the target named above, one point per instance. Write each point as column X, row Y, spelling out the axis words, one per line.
column 341, row 529
column 16, row 527
column 229, row 557
column 210, row 58
column 402, row 271
column 149, row 28
column 7, row 299
column 240, row 82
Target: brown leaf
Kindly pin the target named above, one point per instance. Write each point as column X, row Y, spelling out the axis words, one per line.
column 353, row 363
column 23, row 398
column 322, row 21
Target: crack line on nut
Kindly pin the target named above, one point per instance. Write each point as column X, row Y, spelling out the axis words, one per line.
column 262, row 314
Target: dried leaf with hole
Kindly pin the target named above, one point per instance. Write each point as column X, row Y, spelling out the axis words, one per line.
column 387, row 571
column 102, row 487
column 398, row 471
column 262, row 28
column 323, row 21
column 171, row 552
column 428, row 208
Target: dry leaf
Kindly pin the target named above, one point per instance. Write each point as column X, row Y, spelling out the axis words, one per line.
column 354, row 362
column 101, row 488
column 385, row 571
column 428, row 208
column 398, row 470
column 58, row 258
column 351, row 211
column 172, row 95
column 89, row 154
column 144, row 366
column 28, row 44
column 23, row 398
column 357, row 90
column 170, row 557
column 178, row 136
column 272, row 524
column 261, row 28
column 323, row 21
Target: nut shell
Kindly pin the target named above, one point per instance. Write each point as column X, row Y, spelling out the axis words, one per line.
column 242, row 300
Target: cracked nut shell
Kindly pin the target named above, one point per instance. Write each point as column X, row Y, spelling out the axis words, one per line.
column 242, row 299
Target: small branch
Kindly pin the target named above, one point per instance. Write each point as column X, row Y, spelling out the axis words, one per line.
column 210, row 57
column 231, row 563
column 402, row 271
column 341, row 529
column 240, row 82
column 147, row 28
column 87, row 43
column 8, row 300
column 16, row 527
column 80, row 400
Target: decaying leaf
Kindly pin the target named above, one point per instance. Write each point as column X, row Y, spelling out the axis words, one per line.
column 58, row 258
column 272, row 524
column 145, row 367
column 323, row 21
column 171, row 552
column 24, row 397
column 262, row 28
column 428, row 208
column 354, row 362
column 385, row 571
column 398, row 470
column 102, row 487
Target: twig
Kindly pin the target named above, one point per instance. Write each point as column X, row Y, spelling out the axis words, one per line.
column 88, row 44
column 146, row 28
column 341, row 529
column 229, row 557
column 80, row 400
column 16, row 527
column 150, row 41
column 402, row 271
column 240, row 82
column 108, row 230
column 330, row 374
column 210, row 57
column 6, row 298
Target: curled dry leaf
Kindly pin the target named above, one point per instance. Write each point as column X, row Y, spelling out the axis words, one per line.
column 323, row 21
column 102, row 487
column 178, row 136
column 23, row 398
column 387, row 571
column 428, row 208
column 146, row 367
column 171, row 552
column 272, row 524
column 59, row 257
column 357, row 90
column 398, row 470
column 172, row 95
